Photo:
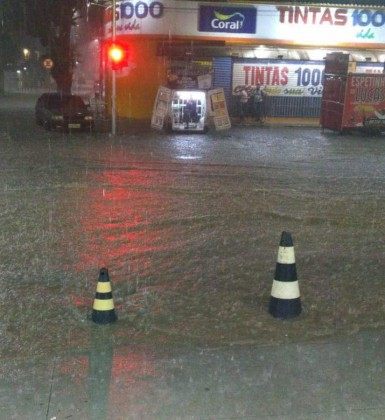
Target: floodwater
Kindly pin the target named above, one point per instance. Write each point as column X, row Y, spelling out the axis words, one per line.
column 189, row 227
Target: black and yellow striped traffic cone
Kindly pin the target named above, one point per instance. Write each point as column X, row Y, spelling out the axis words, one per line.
column 103, row 311
column 285, row 301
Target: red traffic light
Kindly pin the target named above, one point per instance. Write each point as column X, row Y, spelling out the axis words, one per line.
column 118, row 55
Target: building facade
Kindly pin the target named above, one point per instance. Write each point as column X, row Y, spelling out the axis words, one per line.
column 233, row 45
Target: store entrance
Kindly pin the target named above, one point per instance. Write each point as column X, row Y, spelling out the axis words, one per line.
column 188, row 110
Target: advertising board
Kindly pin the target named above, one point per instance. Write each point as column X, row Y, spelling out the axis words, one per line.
column 301, row 78
column 276, row 23
column 286, row 77
column 364, row 101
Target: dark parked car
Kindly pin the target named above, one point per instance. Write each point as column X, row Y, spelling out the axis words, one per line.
column 68, row 112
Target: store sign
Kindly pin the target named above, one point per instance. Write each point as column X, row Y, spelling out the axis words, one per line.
column 365, row 101
column 272, row 23
column 240, row 20
column 311, row 15
column 369, row 68
column 140, row 10
column 300, row 78
column 135, row 16
column 313, row 25
column 280, row 79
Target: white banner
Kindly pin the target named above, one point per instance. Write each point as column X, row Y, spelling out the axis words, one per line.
column 204, row 81
column 280, row 79
column 369, row 68
column 287, row 78
column 277, row 24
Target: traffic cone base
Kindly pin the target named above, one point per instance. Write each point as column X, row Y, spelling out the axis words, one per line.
column 104, row 317
column 285, row 308
column 103, row 308
column 285, row 299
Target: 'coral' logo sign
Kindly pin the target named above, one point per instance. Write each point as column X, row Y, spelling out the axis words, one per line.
column 240, row 20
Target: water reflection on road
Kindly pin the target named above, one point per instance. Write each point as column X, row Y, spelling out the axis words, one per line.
column 188, row 227
column 303, row 380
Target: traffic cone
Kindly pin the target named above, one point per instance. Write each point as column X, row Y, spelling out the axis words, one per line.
column 285, row 299
column 103, row 309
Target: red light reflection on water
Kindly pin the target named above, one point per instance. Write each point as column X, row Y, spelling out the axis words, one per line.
column 131, row 367
column 76, row 369
column 133, row 383
column 128, row 380
column 123, row 223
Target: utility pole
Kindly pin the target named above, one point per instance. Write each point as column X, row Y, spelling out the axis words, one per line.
column 113, row 90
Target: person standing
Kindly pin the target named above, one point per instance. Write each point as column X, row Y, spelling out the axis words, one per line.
column 190, row 112
column 243, row 101
column 258, row 103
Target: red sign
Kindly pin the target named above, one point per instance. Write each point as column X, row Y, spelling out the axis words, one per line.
column 365, row 100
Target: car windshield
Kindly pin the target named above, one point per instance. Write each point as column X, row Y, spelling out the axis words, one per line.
column 66, row 102
column 73, row 102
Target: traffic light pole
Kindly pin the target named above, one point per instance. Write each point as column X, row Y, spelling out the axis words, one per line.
column 113, row 88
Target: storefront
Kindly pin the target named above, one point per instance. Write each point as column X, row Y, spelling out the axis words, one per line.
column 280, row 47
column 293, row 87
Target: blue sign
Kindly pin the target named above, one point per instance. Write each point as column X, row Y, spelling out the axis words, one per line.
column 227, row 19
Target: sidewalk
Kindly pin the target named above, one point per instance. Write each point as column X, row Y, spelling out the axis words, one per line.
column 104, row 123
column 280, row 122
column 293, row 121
column 125, row 125
column 335, row 379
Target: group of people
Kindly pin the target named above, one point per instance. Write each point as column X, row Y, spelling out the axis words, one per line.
column 251, row 103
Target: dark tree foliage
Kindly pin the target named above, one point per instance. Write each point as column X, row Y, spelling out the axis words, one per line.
column 11, row 18
column 51, row 21
column 11, row 27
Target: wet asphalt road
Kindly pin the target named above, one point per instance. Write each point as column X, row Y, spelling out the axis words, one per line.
column 189, row 227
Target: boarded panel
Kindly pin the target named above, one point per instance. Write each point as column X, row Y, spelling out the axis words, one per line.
column 161, row 107
column 219, row 109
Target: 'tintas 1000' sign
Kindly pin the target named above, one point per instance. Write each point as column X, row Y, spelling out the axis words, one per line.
column 358, row 24
column 301, row 78
column 329, row 16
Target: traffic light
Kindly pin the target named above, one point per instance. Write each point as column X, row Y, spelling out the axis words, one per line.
column 118, row 55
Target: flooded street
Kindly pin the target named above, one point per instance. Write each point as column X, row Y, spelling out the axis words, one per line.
column 188, row 227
